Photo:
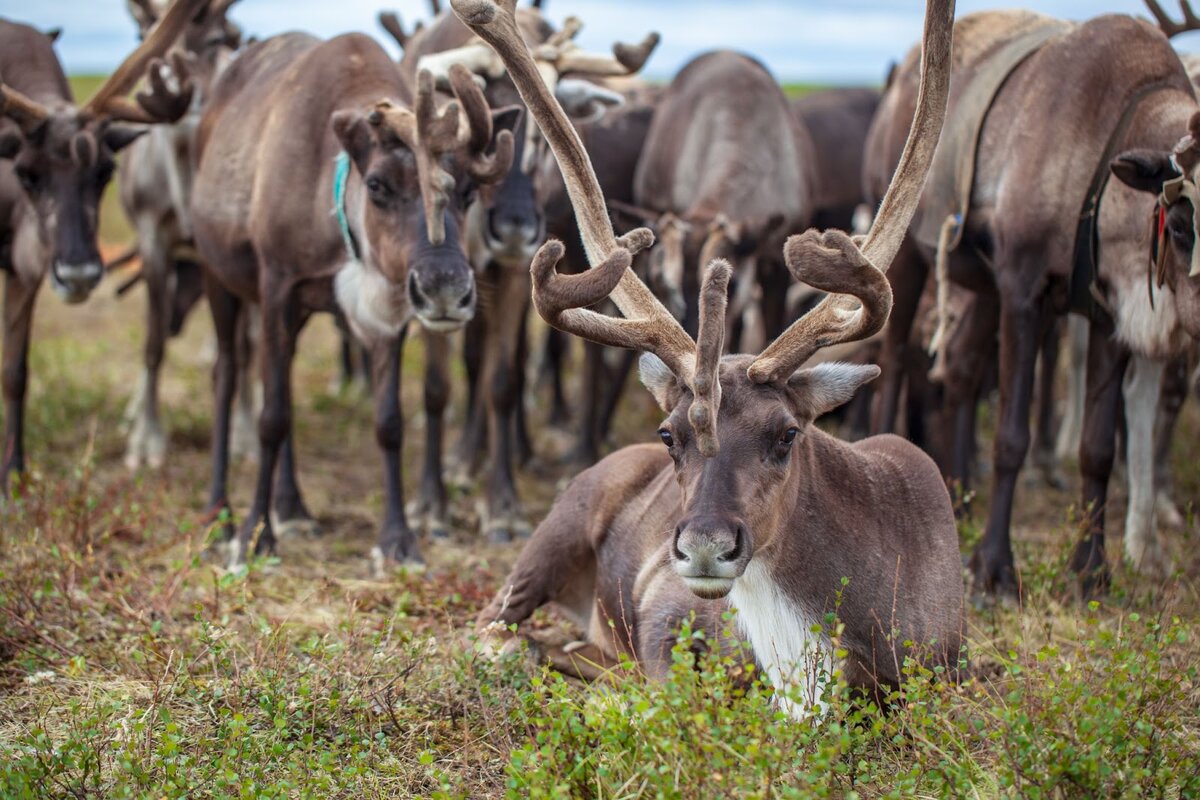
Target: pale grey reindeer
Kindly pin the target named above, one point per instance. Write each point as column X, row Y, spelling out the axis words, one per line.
column 748, row 500
column 161, row 220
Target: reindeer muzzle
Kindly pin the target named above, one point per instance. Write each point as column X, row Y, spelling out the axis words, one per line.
column 75, row 282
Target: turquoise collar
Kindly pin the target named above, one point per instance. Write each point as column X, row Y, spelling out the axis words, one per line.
column 341, row 174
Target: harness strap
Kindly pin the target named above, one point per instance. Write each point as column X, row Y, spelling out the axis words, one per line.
column 1085, row 294
column 341, row 175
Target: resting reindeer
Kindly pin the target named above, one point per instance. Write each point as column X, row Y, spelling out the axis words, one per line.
column 749, row 500
column 323, row 186
column 55, row 160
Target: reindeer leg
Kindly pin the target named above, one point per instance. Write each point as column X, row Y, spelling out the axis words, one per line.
column 1021, row 320
column 504, row 518
column 1043, row 442
column 587, row 443
column 469, row 451
column 244, row 430
column 397, row 543
column 1070, row 430
column 907, row 274
column 1143, row 548
column 291, row 516
column 554, row 357
column 1105, row 367
column 281, row 322
column 430, row 512
column 1171, row 400
column 226, row 310
column 147, row 443
column 19, row 298
column 522, row 441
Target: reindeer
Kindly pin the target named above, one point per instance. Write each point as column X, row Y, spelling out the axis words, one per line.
column 55, row 160
column 161, row 219
column 727, row 159
column 503, row 229
column 749, row 501
column 1020, row 231
column 837, row 121
column 323, row 185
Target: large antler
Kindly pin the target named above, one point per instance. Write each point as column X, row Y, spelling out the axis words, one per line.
column 106, row 100
column 833, row 262
column 431, row 132
column 1169, row 26
column 562, row 300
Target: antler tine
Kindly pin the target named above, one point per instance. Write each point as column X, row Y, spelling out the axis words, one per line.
column 626, row 59
column 1169, row 26
column 833, row 262
column 483, row 168
column 390, row 22
column 648, row 325
column 27, row 113
column 157, row 42
column 706, row 384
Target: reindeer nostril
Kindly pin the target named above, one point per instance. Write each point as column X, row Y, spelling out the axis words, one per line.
column 733, row 555
column 414, row 292
column 467, row 299
column 675, row 551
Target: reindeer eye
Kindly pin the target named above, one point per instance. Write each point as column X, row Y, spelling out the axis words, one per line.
column 789, row 436
column 666, row 437
column 374, row 185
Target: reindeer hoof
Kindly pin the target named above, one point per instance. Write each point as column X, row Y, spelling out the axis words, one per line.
column 498, row 533
column 385, row 565
column 304, row 527
column 1148, row 559
column 994, row 576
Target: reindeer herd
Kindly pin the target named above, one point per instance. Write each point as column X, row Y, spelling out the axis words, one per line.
column 943, row 228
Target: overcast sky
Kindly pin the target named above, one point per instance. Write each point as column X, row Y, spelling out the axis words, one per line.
column 831, row 41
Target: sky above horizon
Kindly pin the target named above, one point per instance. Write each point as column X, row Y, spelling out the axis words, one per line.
column 847, row 42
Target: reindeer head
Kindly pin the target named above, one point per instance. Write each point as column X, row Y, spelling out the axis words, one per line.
column 507, row 222
column 419, row 170
column 63, row 154
column 1172, row 178
column 207, row 41
column 735, row 422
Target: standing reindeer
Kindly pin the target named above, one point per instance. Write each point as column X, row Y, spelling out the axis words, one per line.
column 1039, row 229
column 503, row 229
column 162, row 220
column 325, row 186
column 55, row 160
column 749, row 501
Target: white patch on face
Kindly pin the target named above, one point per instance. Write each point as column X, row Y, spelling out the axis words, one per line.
column 797, row 660
column 375, row 308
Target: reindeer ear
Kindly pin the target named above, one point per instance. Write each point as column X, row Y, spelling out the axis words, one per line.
column 352, row 131
column 820, row 389
column 661, row 382
column 1144, row 170
column 118, row 137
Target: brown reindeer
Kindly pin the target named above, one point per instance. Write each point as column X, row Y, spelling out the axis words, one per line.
column 283, row 219
column 750, row 501
column 161, row 219
column 1117, row 87
column 55, row 160
column 837, row 121
column 726, row 157
column 502, row 231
